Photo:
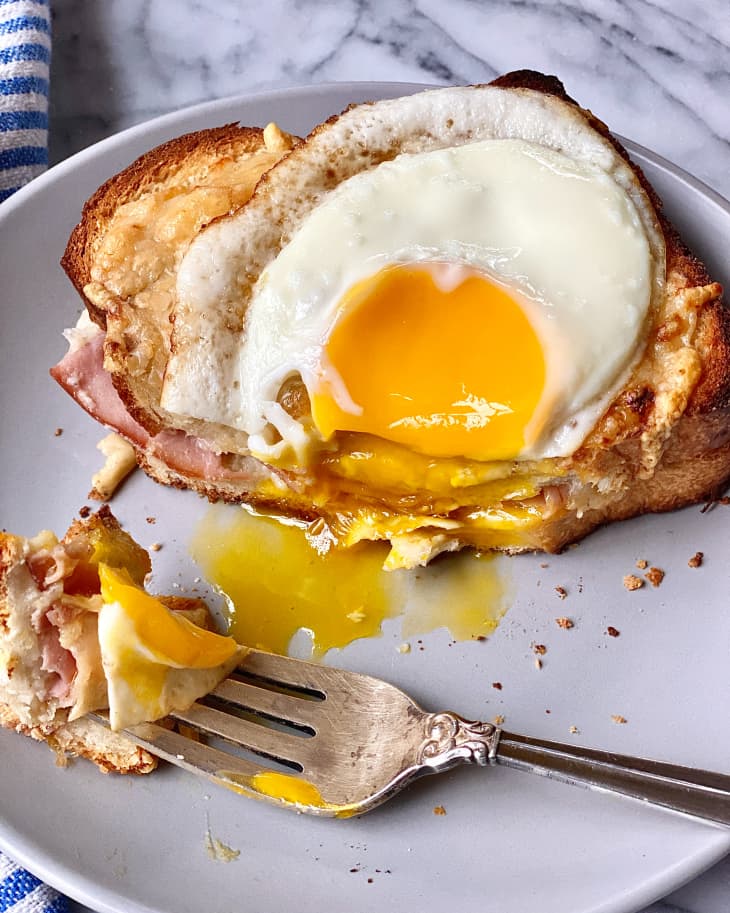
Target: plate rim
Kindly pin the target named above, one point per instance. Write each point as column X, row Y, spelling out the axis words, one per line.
column 203, row 108
column 80, row 886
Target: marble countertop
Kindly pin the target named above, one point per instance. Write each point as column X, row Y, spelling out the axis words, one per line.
column 657, row 71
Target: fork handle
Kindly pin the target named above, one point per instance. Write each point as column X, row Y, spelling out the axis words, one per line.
column 700, row 793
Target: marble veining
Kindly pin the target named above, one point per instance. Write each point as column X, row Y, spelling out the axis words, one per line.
column 657, row 71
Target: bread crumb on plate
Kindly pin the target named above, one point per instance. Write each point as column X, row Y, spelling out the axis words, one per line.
column 655, row 576
column 120, row 461
column 696, row 559
column 632, row 582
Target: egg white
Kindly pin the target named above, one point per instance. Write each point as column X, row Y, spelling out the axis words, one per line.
column 142, row 683
column 257, row 292
column 562, row 235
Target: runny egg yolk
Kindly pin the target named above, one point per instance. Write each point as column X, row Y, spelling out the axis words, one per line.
column 436, row 357
column 276, row 585
column 155, row 661
column 160, row 635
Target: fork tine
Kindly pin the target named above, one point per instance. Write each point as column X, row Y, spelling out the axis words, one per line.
column 295, row 673
column 271, row 743
column 184, row 752
column 284, row 707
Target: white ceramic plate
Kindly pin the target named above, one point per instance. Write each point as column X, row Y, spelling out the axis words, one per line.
column 509, row 842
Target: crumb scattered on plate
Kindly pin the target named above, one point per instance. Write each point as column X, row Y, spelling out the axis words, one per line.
column 642, row 563
column 120, row 461
column 497, row 685
column 632, row 582
column 696, row 559
column 404, row 648
column 84, row 511
column 565, row 623
column 155, row 547
column 538, row 662
column 655, row 576
column 439, row 810
column 58, row 432
column 561, row 591
column 573, row 730
column 617, row 718
column 612, row 632
column 151, row 520
column 540, row 649
column 498, row 720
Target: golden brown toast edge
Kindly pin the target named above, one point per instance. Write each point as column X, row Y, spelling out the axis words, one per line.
column 153, row 168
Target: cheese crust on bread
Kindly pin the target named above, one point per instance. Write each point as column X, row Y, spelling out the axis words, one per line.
column 662, row 442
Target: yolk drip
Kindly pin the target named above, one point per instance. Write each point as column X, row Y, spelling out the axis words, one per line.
column 287, row 788
column 276, row 584
column 445, row 369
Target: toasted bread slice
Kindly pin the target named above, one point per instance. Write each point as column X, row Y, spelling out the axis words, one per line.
column 51, row 665
column 663, row 442
column 123, row 255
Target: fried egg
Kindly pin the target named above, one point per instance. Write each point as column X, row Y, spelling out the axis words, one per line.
column 483, row 301
column 155, row 661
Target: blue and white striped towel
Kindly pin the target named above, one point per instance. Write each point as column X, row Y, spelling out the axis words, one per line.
column 21, row 892
column 25, row 55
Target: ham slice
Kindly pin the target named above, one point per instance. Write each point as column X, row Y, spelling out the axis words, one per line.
column 81, row 374
column 56, row 660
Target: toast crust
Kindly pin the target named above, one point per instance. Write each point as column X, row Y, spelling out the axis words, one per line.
column 134, row 230
column 110, row 751
column 662, row 444
column 155, row 168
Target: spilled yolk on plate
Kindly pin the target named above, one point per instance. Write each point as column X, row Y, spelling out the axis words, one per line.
column 277, row 584
column 437, row 358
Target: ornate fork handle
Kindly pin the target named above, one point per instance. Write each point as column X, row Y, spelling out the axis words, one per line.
column 448, row 739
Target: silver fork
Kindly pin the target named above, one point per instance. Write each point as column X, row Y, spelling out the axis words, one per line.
column 348, row 742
